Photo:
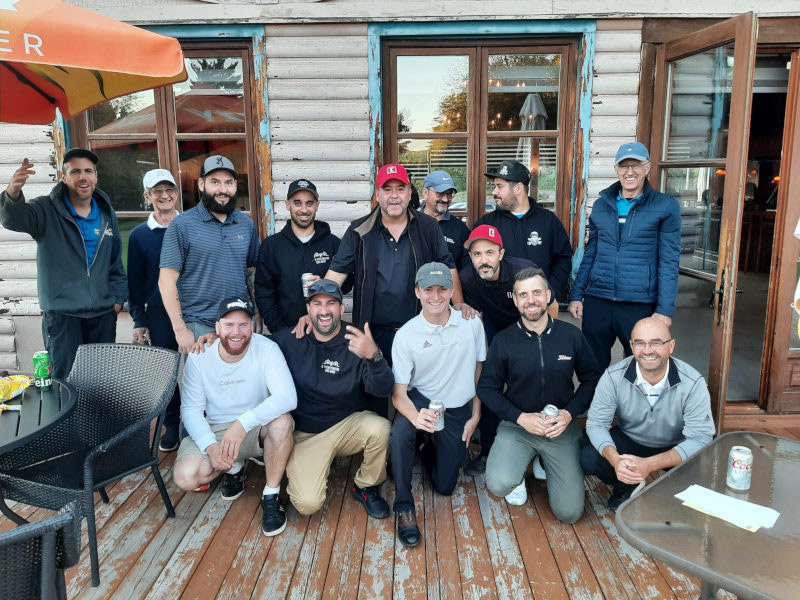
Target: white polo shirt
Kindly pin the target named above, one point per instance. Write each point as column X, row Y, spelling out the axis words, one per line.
column 439, row 361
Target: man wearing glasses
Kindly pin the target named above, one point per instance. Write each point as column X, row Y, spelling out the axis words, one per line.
column 151, row 324
column 630, row 264
column 438, row 190
column 663, row 413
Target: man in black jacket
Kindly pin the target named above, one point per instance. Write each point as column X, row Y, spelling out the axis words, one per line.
column 82, row 284
column 531, row 364
column 336, row 370
column 304, row 245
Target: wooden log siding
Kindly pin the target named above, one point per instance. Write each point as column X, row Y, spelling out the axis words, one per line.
column 319, row 117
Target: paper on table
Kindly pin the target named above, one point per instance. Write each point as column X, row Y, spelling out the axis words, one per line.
column 738, row 512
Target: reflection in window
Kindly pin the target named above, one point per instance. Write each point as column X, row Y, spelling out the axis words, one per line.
column 126, row 225
column 432, row 93
column 134, row 113
column 523, row 92
column 120, row 169
column 212, row 99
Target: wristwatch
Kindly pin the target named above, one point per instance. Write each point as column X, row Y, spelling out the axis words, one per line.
column 377, row 357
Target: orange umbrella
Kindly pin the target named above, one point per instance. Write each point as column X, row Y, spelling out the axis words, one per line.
column 54, row 54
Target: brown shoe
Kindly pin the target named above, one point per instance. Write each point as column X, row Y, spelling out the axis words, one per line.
column 407, row 529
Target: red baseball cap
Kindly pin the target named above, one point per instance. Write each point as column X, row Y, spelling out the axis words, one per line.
column 484, row 232
column 389, row 172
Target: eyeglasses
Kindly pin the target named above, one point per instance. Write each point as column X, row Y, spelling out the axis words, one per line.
column 654, row 344
column 634, row 168
column 171, row 191
column 448, row 193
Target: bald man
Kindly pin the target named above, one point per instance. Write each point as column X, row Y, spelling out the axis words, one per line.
column 663, row 412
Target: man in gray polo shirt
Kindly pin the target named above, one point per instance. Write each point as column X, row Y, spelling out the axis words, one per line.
column 206, row 254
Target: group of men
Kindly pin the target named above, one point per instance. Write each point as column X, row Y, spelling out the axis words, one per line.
column 464, row 322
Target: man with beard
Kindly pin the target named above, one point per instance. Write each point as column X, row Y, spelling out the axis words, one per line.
column 663, row 413
column 304, row 245
column 530, row 365
column 438, row 191
column 336, row 370
column 488, row 283
column 236, row 402
column 529, row 231
column 206, row 254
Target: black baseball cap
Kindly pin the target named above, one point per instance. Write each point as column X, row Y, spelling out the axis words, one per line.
column 234, row 303
column 80, row 153
column 302, row 184
column 324, row 286
column 510, row 170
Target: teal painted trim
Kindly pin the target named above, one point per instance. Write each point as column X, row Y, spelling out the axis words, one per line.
column 495, row 28
column 208, row 32
column 375, row 100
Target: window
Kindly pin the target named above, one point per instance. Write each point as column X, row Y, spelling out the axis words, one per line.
column 176, row 127
column 465, row 108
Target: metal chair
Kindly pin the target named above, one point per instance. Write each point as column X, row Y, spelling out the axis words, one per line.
column 34, row 556
column 122, row 389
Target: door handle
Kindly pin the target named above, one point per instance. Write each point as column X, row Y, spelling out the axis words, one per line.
column 721, row 293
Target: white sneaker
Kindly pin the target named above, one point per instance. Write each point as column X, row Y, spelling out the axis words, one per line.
column 538, row 470
column 518, row 496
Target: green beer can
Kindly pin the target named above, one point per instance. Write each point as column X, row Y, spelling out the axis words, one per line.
column 42, row 370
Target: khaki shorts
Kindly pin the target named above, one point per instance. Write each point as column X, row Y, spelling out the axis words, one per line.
column 251, row 445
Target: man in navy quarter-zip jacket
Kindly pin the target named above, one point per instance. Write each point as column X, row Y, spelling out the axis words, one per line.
column 531, row 364
column 630, row 266
column 82, row 284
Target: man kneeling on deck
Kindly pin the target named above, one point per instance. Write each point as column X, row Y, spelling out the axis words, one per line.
column 338, row 372
column 235, row 405
column 663, row 413
column 436, row 357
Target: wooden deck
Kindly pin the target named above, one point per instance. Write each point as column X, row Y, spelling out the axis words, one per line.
column 474, row 545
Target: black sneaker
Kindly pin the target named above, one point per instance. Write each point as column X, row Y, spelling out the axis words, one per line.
column 273, row 520
column 617, row 498
column 232, row 485
column 169, row 441
column 371, row 498
column 476, row 466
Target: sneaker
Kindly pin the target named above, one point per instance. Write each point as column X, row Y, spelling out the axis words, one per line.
column 273, row 520
column 616, row 499
column 257, row 459
column 518, row 496
column 232, row 485
column 373, row 502
column 169, row 441
column 538, row 470
column 477, row 466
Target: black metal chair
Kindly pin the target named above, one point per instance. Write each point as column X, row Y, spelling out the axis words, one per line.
column 33, row 557
column 122, row 389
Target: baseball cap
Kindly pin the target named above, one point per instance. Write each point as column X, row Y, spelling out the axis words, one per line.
column 439, row 181
column 434, row 273
column 302, row 184
column 155, row 176
column 484, row 232
column 215, row 163
column 510, row 170
column 231, row 304
column 80, row 153
column 636, row 151
column 389, row 172
column 324, row 286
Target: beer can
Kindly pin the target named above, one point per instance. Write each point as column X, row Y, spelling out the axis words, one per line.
column 305, row 280
column 438, row 408
column 42, row 370
column 549, row 412
column 740, row 465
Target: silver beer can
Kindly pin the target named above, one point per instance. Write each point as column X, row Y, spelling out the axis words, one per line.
column 438, row 408
column 740, row 465
column 305, row 281
column 549, row 412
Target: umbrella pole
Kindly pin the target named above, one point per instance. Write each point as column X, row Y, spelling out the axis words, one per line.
column 29, row 83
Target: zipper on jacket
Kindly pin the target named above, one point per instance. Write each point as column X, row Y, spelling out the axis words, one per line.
column 86, row 255
column 541, row 368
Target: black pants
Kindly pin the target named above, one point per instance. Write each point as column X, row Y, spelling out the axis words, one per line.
column 384, row 338
column 605, row 321
column 442, row 464
column 593, row 463
column 161, row 335
column 488, row 428
column 63, row 334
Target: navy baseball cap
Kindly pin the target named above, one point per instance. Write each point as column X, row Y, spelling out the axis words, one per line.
column 439, row 181
column 635, row 151
column 510, row 170
column 231, row 304
column 80, row 153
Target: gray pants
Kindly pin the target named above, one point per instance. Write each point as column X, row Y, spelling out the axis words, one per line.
column 514, row 449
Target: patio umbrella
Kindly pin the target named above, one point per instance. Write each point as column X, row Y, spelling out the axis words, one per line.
column 55, row 55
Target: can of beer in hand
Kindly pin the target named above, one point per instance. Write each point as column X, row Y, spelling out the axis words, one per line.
column 549, row 412
column 305, row 280
column 42, row 370
column 438, row 408
column 740, row 465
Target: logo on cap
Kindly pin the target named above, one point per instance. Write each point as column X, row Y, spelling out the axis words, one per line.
column 492, row 231
column 220, row 161
column 302, row 183
column 503, row 171
column 392, row 170
column 238, row 304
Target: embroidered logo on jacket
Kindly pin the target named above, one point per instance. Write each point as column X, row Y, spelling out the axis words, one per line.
column 330, row 366
column 534, row 239
column 564, row 357
column 321, row 258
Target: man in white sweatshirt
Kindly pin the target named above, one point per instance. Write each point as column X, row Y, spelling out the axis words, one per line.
column 235, row 405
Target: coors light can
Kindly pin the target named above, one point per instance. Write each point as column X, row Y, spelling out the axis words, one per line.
column 740, row 464
column 549, row 412
column 438, row 408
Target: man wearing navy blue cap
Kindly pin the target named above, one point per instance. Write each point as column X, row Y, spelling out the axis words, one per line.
column 630, row 264
column 438, row 189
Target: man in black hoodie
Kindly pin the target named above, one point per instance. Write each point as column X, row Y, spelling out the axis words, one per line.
column 82, row 284
column 336, row 370
column 304, row 245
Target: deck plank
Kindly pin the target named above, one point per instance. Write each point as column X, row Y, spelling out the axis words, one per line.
column 445, row 547
column 410, row 578
column 477, row 577
column 377, row 564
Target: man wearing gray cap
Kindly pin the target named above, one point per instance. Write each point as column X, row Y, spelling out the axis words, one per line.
column 206, row 254
column 630, row 264
column 438, row 190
